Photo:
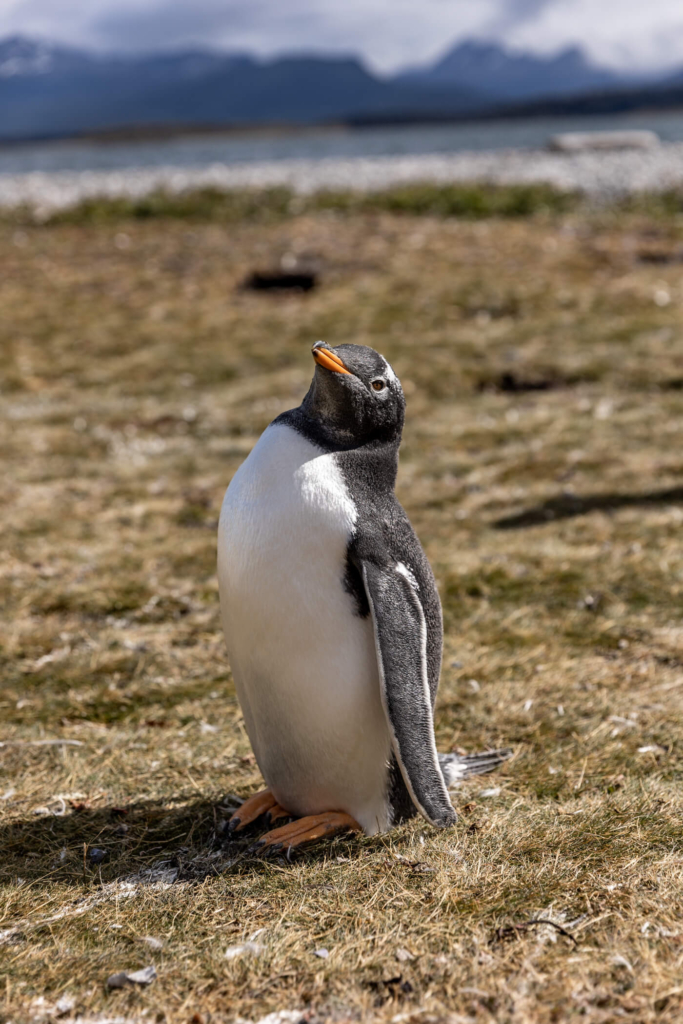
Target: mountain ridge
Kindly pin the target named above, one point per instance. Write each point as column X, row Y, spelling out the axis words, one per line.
column 50, row 90
column 517, row 74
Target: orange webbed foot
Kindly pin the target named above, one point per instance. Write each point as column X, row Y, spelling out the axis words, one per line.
column 304, row 831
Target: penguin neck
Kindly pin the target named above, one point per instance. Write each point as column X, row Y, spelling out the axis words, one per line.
column 375, row 457
column 376, row 462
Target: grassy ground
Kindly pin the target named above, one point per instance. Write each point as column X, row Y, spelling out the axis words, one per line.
column 542, row 466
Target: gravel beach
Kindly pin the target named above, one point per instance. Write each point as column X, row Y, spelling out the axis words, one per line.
column 599, row 174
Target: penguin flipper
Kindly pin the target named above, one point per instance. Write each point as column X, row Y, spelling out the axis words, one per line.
column 401, row 645
column 456, row 767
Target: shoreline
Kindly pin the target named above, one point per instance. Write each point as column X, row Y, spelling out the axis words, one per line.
column 601, row 175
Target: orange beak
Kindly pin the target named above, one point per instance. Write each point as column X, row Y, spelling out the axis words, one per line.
column 329, row 360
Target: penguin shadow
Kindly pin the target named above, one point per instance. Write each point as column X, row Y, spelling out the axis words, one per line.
column 143, row 842
column 567, row 506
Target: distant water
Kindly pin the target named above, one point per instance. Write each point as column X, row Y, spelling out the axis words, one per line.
column 194, row 151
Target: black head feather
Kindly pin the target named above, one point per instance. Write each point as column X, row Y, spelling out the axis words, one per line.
column 359, row 407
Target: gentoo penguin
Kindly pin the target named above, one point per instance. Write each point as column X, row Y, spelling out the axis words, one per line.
column 332, row 617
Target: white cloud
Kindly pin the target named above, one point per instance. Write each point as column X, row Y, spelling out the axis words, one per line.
column 624, row 33
column 389, row 33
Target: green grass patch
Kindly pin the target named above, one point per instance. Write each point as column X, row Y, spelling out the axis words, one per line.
column 472, row 201
column 468, row 200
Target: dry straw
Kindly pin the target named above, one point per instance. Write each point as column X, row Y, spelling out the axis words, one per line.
column 542, row 468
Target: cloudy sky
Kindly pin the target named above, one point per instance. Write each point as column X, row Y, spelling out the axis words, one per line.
column 388, row 33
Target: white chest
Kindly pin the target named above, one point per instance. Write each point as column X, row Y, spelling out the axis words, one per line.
column 286, row 518
column 304, row 662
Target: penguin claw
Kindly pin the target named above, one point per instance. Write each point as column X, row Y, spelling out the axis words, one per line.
column 261, row 849
column 255, row 807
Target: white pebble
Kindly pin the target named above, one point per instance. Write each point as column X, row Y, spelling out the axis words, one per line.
column 602, row 174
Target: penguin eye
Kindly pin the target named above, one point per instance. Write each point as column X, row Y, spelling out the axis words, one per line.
column 378, row 385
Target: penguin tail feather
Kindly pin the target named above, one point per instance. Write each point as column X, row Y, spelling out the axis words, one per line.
column 456, row 767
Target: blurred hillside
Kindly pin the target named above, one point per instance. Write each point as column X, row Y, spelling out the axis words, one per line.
column 51, row 91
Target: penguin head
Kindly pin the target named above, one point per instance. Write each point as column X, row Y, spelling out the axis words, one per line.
column 355, row 395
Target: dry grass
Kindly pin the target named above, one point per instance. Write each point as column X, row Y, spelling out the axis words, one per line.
column 136, row 377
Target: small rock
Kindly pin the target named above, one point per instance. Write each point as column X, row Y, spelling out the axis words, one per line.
column 244, row 949
column 284, row 1017
column 97, row 856
column 145, row 976
column 64, row 1005
column 322, row 953
column 404, row 955
column 604, row 409
column 280, row 280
